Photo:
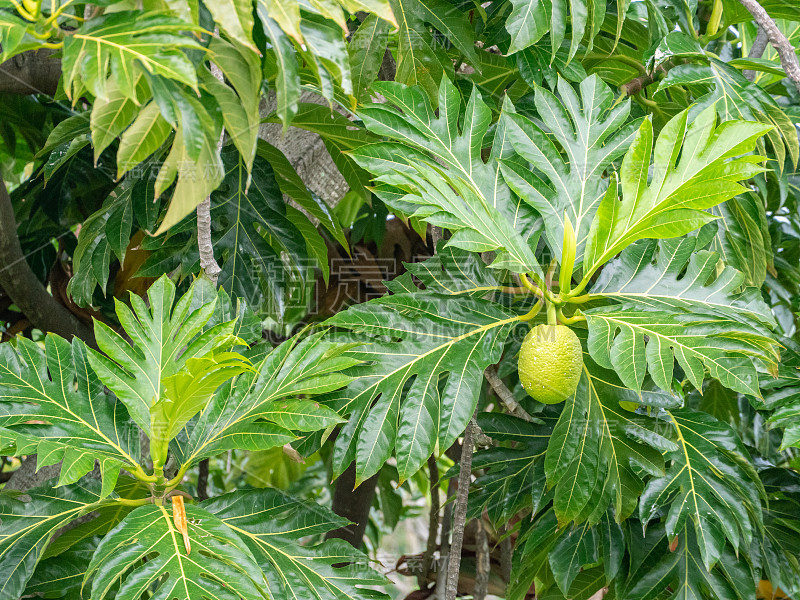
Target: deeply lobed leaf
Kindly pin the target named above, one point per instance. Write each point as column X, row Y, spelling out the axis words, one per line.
column 26, row 528
column 219, row 564
column 710, row 487
column 271, row 524
column 696, row 166
column 674, row 303
column 433, row 169
column 53, row 405
column 427, row 356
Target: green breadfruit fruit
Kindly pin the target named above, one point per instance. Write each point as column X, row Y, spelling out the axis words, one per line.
column 550, row 363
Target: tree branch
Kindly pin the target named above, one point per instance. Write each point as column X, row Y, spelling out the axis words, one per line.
column 202, row 480
column 460, row 511
column 637, row 84
column 31, row 72
column 482, row 562
column 210, row 267
column 27, row 476
column 204, row 244
column 444, row 541
column 756, row 50
column 433, row 524
column 352, row 503
column 505, row 554
column 505, row 395
column 24, row 289
column 782, row 45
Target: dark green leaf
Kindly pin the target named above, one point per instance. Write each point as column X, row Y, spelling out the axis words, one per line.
column 711, row 488
column 218, row 565
column 26, row 528
column 53, row 405
column 428, row 355
column 272, row 524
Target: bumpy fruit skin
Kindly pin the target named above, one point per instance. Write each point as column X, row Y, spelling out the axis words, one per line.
column 550, row 363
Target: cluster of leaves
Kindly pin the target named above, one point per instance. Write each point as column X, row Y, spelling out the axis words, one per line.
column 661, row 317
column 658, row 220
column 180, row 381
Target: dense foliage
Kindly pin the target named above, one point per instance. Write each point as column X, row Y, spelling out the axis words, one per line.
column 625, row 169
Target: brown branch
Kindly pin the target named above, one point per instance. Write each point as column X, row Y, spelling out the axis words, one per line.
column 505, row 554
column 433, row 523
column 27, row 476
column 207, row 261
column 482, row 562
column 444, row 543
column 505, row 395
column 352, row 503
column 782, row 45
column 637, row 84
column 437, row 234
column 26, row 291
column 204, row 244
column 756, row 50
column 460, row 511
column 211, row 269
column 31, row 72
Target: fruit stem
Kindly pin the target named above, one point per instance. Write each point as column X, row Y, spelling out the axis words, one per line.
column 137, row 502
column 552, row 317
column 583, row 298
column 532, row 312
column 527, row 283
column 576, row 318
column 577, row 290
column 542, row 291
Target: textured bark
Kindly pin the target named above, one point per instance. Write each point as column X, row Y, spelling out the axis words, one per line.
column 26, row 476
column 444, row 544
column 756, row 51
column 433, row 523
column 505, row 395
column 353, row 505
column 483, row 564
column 202, row 480
column 210, row 267
column 460, row 512
column 636, row 85
column 306, row 152
column 32, row 72
column 22, row 286
column 204, row 244
column 207, row 261
column 505, row 554
column 782, row 46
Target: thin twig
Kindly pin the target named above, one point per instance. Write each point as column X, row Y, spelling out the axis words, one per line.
column 782, row 45
column 433, row 523
column 505, row 395
column 756, row 51
column 460, row 511
column 637, row 84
